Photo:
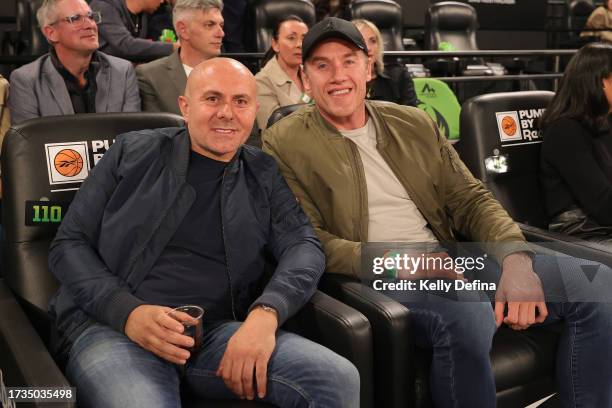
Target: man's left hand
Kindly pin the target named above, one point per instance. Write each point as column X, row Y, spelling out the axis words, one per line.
column 521, row 288
column 248, row 351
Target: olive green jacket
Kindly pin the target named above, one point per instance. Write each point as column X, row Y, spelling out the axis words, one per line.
column 326, row 174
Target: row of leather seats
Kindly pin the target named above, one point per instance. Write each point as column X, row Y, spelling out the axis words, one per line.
column 377, row 339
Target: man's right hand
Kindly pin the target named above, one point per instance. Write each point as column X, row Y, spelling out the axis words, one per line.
column 153, row 329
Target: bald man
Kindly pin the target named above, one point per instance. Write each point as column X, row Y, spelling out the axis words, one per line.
column 187, row 216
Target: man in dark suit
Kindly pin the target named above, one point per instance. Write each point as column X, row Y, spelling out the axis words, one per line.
column 199, row 26
column 73, row 77
column 124, row 29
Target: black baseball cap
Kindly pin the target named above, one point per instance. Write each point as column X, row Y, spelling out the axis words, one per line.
column 332, row 27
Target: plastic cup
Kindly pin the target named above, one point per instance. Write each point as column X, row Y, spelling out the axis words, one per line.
column 190, row 316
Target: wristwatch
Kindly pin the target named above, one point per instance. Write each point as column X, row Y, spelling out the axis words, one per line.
column 268, row 309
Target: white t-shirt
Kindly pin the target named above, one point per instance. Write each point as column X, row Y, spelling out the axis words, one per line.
column 393, row 215
column 187, row 69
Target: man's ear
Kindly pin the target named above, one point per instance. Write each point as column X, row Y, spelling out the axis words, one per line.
column 181, row 30
column 50, row 34
column 305, row 80
column 183, row 103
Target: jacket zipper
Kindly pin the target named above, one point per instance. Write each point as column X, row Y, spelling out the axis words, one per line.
column 358, row 166
column 227, row 264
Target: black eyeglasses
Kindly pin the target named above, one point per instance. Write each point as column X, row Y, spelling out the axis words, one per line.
column 79, row 19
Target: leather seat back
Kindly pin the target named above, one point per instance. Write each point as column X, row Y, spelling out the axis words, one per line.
column 386, row 16
column 44, row 161
column 283, row 111
column 267, row 14
column 500, row 144
column 451, row 22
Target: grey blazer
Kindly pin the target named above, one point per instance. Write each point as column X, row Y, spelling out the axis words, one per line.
column 37, row 89
column 161, row 82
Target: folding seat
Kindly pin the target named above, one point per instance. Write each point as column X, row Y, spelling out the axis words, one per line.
column 386, row 16
column 500, row 144
column 267, row 13
column 35, row 199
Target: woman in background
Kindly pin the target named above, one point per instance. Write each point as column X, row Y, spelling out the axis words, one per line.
column 391, row 82
column 279, row 82
column 576, row 158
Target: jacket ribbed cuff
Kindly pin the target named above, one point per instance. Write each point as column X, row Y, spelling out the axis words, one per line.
column 118, row 307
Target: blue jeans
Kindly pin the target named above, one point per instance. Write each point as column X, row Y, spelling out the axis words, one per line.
column 109, row 370
column 460, row 336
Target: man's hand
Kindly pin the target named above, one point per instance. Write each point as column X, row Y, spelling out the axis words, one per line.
column 248, row 351
column 433, row 268
column 521, row 288
column 153, row 329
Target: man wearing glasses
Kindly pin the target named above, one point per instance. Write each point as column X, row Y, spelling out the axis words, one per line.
column 73, row 77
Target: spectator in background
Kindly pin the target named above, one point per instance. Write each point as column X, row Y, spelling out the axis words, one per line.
column 279, row 82
column 161, row 20
column 391, row 82
column 234, row 15
column 73, row 77
column 123, row 29
column 600, row 19
column 576, row 162
column 199, row 25
column 332, row 8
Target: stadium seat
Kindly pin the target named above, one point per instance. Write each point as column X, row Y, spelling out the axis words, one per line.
column 386, row 16
column 35, row 196
column 500, row 144
column 30, row 40
column 267, row 14
column 523, row 361
column 578, row 14
column 438, row 100
column 451, row 26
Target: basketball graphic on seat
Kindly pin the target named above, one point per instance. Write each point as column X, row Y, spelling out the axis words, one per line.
column 68, row 162
column 509, row 125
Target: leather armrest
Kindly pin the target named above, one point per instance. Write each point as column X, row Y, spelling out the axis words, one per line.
column 393, row 344
column 569, row 245
column 342, row 329
column 25, row 361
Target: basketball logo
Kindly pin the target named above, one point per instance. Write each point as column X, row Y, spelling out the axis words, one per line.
column 68, row 162
column 508, row 125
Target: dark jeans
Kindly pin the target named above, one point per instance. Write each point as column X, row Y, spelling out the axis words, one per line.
column 460, row 334
column 109, row 370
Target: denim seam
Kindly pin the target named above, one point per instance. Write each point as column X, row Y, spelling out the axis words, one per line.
column 207, row 373
column 573, row 369
column 443, row 327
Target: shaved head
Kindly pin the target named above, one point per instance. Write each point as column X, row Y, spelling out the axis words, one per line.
column 219, row 106
column 216, row 67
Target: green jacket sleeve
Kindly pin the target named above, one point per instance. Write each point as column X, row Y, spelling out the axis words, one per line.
column 342, row 256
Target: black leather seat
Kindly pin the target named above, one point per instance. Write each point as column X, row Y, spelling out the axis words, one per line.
column 523, row 362
column 451, row 22
column 28, row 175
column 578, row 14
column 386, row 16
column 267, row 14
column 32, row 40
column 504, row 153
